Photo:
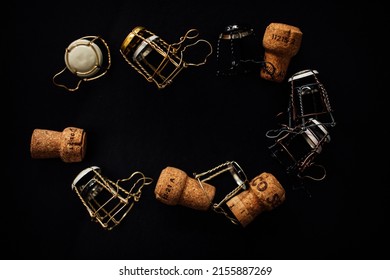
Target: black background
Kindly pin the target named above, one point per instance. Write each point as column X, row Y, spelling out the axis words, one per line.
column 196, row 123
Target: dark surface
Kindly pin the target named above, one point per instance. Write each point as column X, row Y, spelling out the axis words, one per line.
column 197, row 123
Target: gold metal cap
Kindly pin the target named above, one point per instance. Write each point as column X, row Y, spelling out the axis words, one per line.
column 129, row 42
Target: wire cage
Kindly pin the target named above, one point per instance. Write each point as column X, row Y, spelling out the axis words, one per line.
column 156, row 60
column 298, row 148
column 308, row 100
column 106, row 201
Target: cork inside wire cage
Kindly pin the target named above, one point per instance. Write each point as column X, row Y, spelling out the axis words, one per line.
column 156, row 60
column 106, row 201
column 247, row 199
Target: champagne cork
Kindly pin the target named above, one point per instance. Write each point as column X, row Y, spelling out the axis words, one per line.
column 69, row 145
column 174, row 187
column 265, row 193
column 281, row 42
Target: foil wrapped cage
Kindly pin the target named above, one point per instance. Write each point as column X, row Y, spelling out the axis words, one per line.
column 106, row 201
column 237, row 51
column 156, row 60
column 310, row 118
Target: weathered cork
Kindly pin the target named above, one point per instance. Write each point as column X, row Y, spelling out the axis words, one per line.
column 281, row 42
column 175, row 187
column 265, row 193
column 69, row 145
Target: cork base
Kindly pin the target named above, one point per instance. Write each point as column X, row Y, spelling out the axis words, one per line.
column 275, row 68
column 245, row 207
column 45, row 144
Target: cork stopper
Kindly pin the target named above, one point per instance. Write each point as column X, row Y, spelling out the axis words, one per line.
column 69, row 145
column 265, row 193
column 281, row 42
column 174, row 187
